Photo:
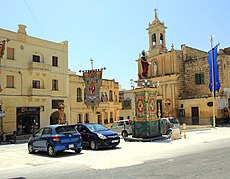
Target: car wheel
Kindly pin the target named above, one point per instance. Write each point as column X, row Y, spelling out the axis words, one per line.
column 51, row 151
column 12, row 140
column 30, row 149
column 169, row 132
column 78, row 151
column 93, row 145
column 113, row 147
column 124, row 134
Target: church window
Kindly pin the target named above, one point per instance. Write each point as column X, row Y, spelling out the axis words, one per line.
column 154, row 39
column 161, row 39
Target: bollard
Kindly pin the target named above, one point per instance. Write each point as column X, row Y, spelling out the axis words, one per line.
column 184, row 129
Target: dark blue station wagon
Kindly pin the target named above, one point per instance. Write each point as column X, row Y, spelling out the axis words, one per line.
column 97, row 136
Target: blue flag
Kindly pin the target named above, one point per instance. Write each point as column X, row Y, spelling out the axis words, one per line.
column 213, row 69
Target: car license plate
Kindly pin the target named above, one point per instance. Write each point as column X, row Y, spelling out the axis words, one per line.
column 71, row 145
column 114, row 141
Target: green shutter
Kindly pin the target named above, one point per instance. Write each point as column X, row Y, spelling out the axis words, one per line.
column 196, row 78
column 202, row 78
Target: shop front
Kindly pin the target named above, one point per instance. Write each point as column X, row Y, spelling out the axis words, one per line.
column 28, row 120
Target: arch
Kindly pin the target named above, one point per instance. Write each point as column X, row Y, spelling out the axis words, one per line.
column 161, row 39
column 106, row 97
column 154, row 39
column 102, row 97
column 54, row 118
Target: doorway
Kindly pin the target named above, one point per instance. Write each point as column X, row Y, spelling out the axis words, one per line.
column 28, row 120
column 195, row 115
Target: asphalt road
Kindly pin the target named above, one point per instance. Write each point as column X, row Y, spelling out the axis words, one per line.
column 183, row 159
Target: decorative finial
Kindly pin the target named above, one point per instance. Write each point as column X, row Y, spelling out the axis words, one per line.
column 155, row 14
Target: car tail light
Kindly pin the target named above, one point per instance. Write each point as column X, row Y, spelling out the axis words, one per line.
column 56, row 138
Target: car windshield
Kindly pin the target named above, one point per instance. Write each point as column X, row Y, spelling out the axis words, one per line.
column 174, row 120
column 96, row 127
column 65, row 129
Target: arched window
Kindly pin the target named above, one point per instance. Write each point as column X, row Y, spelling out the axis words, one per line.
column 161, row 39
column 115, row 97
column 79, row 95
column 110, row 96
column 102, row 97
column 154, row 39
column 106, row 97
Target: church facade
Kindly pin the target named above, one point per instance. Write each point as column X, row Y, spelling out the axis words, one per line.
column 183, row 76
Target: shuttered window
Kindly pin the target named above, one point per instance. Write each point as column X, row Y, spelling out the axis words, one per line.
column 10, row 81
column 10, row 53
column 199, row 78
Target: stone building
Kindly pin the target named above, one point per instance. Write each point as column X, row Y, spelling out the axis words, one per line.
column 108, row 110
column 183, row 76
column 127, row 110
column 34, row 79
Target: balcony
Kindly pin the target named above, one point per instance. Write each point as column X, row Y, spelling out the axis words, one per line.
column 39, row 92
column 36, row 66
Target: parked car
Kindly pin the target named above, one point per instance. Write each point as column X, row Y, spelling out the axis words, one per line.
column 55, row 138
column 168, row 124
column 97, row 136
column 175, row 122
column 122, row 127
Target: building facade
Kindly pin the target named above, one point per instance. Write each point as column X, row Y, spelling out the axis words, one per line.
column 34, row 79
column 183, row 76
column 108, row 110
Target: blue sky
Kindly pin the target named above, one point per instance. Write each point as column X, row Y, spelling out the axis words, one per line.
column 113, row 32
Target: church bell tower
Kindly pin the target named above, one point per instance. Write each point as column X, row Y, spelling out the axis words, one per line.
column 157, row 40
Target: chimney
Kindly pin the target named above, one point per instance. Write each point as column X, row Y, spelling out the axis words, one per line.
column 21, row 29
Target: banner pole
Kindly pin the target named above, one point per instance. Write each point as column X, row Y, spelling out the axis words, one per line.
column 213, row 85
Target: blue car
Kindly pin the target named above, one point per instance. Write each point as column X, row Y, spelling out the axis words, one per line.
column 55, row 138
column 97, row 136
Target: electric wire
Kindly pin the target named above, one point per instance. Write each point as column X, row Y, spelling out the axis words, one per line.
column 34, row 19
